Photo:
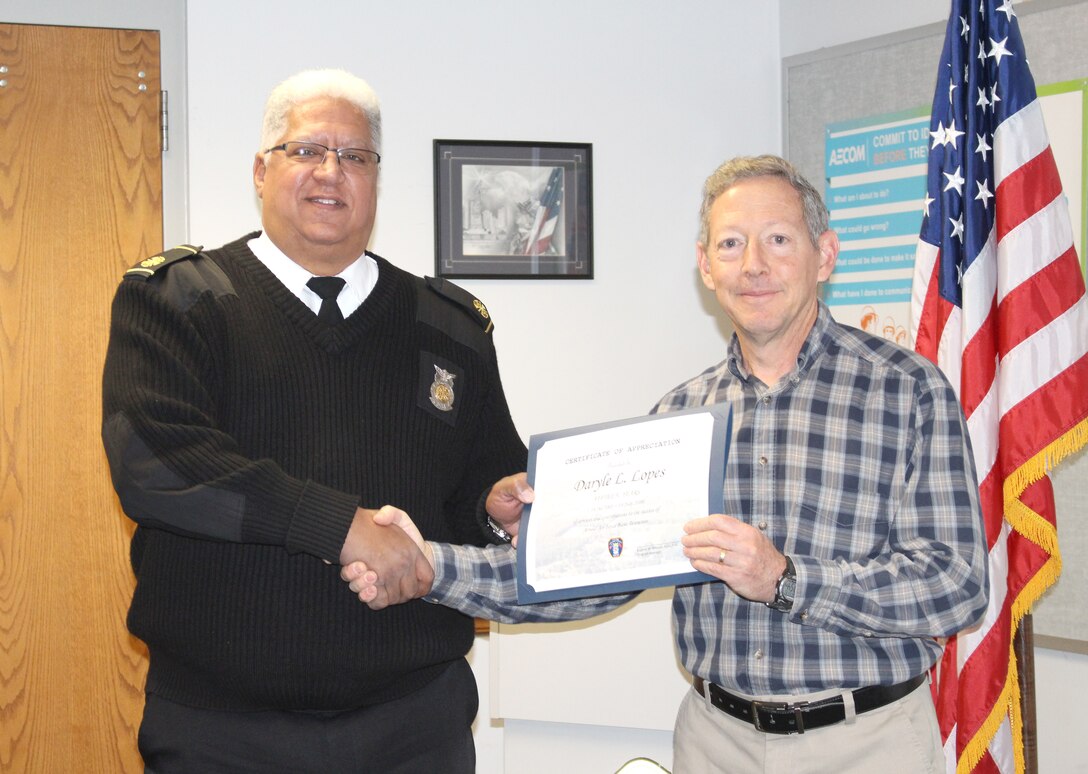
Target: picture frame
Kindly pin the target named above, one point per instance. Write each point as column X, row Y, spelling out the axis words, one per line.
column 511, row 209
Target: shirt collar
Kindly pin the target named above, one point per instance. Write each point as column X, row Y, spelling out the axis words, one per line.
column 360, row 276
column 815, row 343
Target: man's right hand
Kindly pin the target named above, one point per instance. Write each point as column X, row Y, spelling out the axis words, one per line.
column 401, row 570
column 365, row 580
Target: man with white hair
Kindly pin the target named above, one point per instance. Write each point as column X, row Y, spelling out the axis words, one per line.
column 260, row 401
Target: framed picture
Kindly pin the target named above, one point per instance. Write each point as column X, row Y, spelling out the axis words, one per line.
column 513, row 209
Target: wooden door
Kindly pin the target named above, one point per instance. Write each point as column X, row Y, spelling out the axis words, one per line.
column 80, row 201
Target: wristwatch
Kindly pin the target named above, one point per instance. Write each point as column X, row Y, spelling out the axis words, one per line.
column 785, row 589
column 498, row 531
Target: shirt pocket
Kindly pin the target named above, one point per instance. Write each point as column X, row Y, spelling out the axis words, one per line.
column 840, row 524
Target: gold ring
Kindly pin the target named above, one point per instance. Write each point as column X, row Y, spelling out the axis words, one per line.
column 721, row 556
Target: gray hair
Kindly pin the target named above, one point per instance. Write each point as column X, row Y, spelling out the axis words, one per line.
column 746, row 167
column 314, row 84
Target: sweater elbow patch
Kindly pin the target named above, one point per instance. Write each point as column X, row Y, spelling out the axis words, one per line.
column 152, row 494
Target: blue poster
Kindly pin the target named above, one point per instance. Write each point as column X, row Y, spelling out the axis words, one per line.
column 875, row 170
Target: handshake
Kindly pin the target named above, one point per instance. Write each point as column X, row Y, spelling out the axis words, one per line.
column 386, row 561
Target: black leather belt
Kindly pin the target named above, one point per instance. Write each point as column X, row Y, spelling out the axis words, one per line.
column 775, row 717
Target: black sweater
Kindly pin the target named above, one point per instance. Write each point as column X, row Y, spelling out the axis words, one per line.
column 242, row 433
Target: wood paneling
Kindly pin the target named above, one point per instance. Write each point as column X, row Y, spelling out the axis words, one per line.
column 80, row 201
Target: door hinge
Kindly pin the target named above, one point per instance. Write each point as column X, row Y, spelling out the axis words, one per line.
column 164, row 120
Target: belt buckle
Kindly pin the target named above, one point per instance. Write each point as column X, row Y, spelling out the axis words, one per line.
column 773, row 708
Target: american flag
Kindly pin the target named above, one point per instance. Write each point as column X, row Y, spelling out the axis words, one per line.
column 998, row 301
column 547, row 215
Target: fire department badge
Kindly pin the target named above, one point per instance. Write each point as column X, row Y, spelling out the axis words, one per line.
column 442, row 390
column 615, row 547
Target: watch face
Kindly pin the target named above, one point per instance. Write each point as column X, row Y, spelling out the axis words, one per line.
column 784, row 592
column 785, row 589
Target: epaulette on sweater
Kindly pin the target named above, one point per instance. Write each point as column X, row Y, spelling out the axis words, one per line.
column 455, row 311
column 190, row 274
column 147, row 268
column 458, row 295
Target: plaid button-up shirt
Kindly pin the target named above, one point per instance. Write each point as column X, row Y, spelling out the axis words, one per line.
column 858, row 466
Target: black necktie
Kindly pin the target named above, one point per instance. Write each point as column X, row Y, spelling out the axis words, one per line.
column 328, row 288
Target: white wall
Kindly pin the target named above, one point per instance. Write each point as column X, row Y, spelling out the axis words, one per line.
column 1061, row 677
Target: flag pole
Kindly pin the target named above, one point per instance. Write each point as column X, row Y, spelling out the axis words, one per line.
column 1024, row 648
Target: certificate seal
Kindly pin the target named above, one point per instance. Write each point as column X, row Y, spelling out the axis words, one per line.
column 615, row 547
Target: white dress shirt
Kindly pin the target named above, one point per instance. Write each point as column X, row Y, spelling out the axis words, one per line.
column 360, row 277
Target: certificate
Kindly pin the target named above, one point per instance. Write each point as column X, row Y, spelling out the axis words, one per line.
column 612, row 499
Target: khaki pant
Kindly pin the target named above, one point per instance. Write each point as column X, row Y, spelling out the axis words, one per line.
column 898, row 738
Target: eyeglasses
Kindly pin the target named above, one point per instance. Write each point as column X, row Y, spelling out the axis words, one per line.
column 355, row 160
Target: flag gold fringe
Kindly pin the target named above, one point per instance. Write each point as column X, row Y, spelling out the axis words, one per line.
column 976, row 747
column 1025, row 521
column 1040, row 531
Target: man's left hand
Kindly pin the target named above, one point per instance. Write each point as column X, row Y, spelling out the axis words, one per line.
column 735, row 552
column 507, row 499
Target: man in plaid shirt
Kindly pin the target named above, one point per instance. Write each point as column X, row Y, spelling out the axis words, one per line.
column 852, row 540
